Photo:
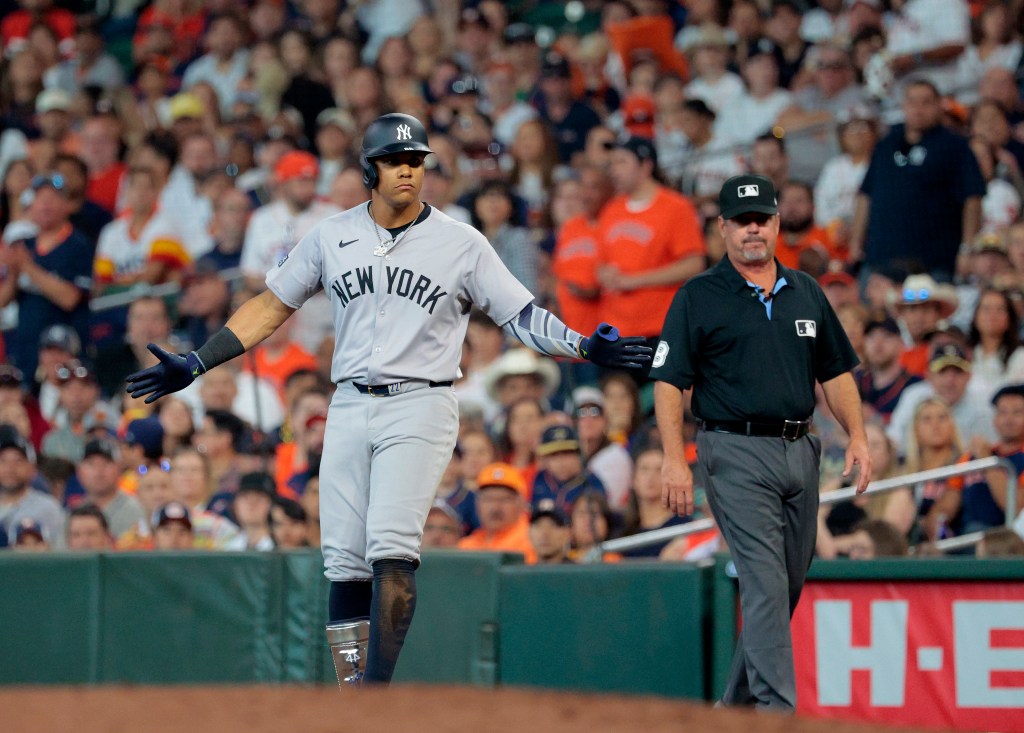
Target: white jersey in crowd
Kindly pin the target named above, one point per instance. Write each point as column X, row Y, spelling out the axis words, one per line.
column 970, row 67
column 719, row 94
column 835, row 193
column 749, row 117
column 400, row 314
column 274, row 230
column 121, row 252
column 926, row 24
column 181, row 197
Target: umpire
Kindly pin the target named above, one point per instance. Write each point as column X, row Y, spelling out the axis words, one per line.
column 752, row 337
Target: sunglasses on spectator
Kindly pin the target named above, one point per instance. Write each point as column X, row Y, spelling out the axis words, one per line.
column 79, row 372
column 589, row 411
column 916, row 296
column 164, row 466
column 54, row 180
column 831, row 66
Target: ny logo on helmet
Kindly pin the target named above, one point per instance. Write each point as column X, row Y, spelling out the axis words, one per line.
column 404, row 132
column 748, row 190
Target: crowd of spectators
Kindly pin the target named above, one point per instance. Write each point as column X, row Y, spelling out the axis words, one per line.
column 157, row 157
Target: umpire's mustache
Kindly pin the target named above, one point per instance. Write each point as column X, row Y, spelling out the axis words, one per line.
column 751, row 240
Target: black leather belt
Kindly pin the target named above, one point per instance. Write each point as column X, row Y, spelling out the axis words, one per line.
column 386, row 390
column 787, row 429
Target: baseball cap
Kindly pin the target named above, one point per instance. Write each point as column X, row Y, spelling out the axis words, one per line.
column 59, row 336
column 949, row 355
column 504, row 476
column 101, row 447
column 148, row 433
column 641, row 147
column 548, row 508
column 836, row 277
column 172, row 511
column 555, row 65
column 185, row 105
column 258, row 482
column 699, row 107
column 583, row 396
column 296, row 164
column 27, row 526
column 339, row 118
column 886, row 323
column 11, row 438
column 520, row 33
column 1010, row 389
column 748, row 194
column 51, row 100
column 558, row 439
column 638, row 112
column 761, row 47
column 989, row 242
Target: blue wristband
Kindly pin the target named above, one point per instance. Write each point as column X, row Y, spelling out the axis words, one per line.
column 195, row 364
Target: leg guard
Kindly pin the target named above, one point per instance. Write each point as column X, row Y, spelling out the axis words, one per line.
column 394, row 602
column 348, row 641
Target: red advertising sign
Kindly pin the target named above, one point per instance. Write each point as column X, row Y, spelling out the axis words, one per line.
column 930, row 654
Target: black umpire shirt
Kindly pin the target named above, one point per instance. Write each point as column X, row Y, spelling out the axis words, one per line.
column 718, row 339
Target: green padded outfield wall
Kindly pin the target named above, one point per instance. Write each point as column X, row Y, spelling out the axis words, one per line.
column 630, row 627
column 49, row 618
column 196, row 617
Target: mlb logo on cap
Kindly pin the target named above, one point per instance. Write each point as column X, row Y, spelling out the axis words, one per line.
column 747, row 194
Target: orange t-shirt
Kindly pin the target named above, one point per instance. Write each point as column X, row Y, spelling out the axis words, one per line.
column 575, row 263
column 102, row 187
column 915, row 360
column 294, row 357
column 514, row 539
column 789, row 255
column 667, row 231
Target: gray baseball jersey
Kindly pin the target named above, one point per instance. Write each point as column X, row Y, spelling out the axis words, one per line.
column 401, row 315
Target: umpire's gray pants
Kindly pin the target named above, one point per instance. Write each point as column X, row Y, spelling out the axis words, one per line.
column 764, row 495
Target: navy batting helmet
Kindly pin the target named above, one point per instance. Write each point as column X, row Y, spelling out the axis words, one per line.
column 389, row 134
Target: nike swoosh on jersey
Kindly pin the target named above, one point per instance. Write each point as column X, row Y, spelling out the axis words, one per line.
column 345, row 244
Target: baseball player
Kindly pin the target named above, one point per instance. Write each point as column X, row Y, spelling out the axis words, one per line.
column 401, row 277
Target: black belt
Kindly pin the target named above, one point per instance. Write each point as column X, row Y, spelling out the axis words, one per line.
column 788, row 429
column 386, row 390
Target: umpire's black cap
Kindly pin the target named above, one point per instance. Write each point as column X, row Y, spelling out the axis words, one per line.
column 747, row 194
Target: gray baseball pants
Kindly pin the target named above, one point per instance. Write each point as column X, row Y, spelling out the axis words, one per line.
column 383, row 458
column 763, row 493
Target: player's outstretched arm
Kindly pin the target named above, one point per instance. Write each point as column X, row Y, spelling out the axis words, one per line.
column 256, row 319
column 543, row 332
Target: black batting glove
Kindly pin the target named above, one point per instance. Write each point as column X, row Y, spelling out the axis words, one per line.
column 173, row 373
column 607, row 349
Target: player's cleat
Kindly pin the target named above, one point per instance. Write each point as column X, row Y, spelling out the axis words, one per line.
column 348, row 640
